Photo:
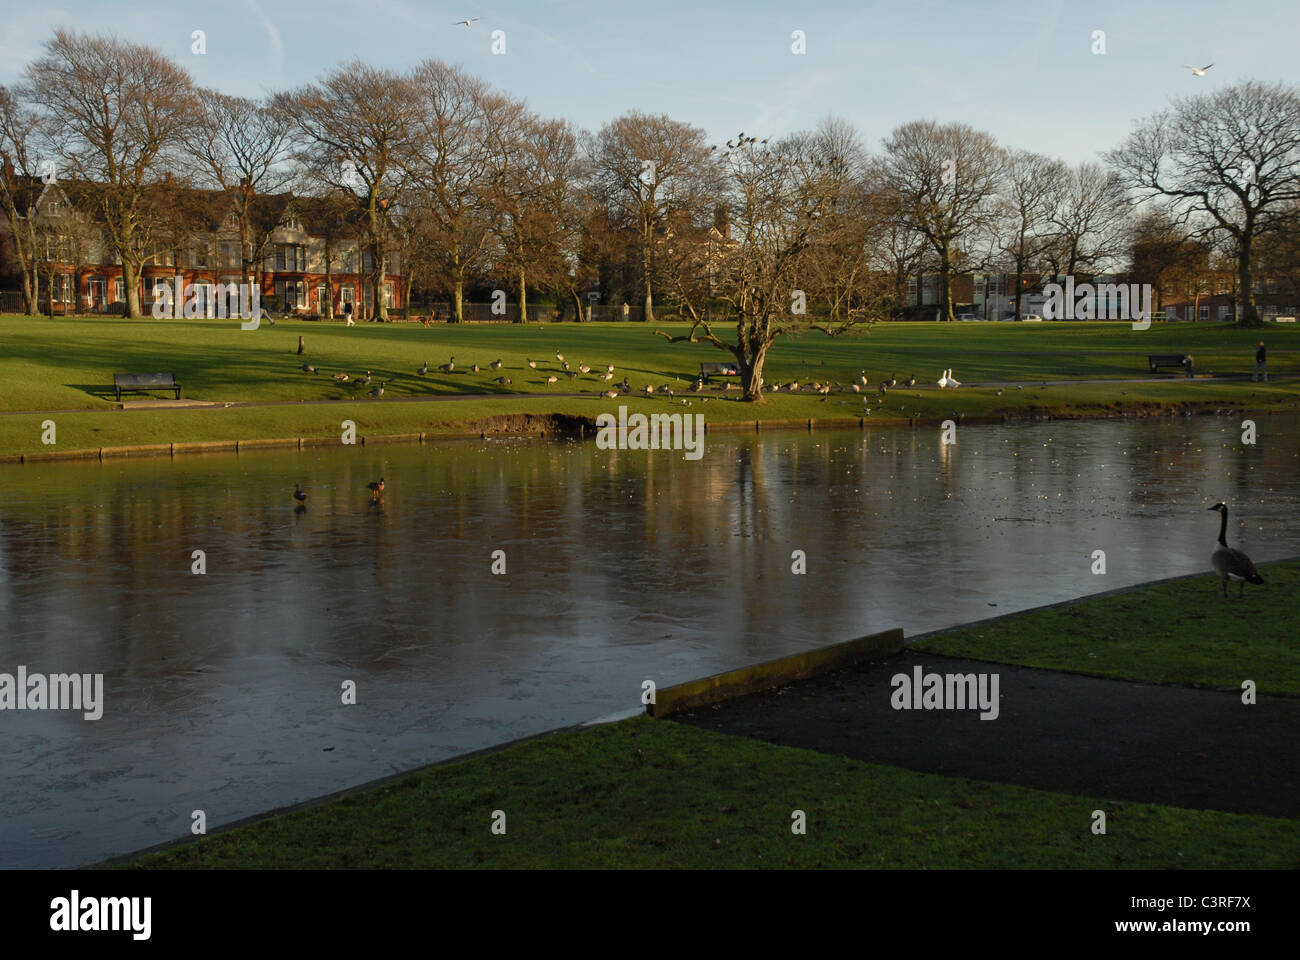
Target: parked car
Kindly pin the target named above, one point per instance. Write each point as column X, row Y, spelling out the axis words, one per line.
column 967, row 316
column 1031, row 318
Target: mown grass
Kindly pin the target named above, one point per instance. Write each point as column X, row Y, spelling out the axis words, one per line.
column 67, row 364
column 1182, row 632
column 656, row 794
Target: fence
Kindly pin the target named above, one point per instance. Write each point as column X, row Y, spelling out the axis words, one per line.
column 11, row 301
column 562, row 312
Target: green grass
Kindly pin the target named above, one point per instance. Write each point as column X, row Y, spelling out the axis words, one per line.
column 66, row 364
column 1183, row 632
column 656, row 794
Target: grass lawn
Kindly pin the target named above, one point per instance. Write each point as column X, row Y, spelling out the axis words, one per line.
column 66, row 364
column 645, row 793
column 1183, row 632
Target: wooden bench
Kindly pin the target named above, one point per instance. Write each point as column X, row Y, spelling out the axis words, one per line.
column 718, row 370
column 140, row 382
column 1157, row 360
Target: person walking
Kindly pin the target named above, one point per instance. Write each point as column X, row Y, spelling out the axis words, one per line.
column 1261, row 364
column 1187, row 366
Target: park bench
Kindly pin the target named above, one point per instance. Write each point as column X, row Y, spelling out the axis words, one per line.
column 1157, row 360
column 140, row 382
column 718, row 370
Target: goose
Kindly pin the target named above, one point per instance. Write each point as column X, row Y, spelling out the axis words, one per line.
column 495, row 364
column 947, row 380
column 376, row 488
column 611, row 394
column 608, row 376
column 532, row 363
column 1229, row 563
column 910, row 381
column 564, row 365
column 609, row 368
column 863, row 379
column 665, row 389
column 504, row 381
column 884, row 388
column 551, row 378
column 559, row 357
column 474, row 368
column 363, row 381
column 378, row 391
column 892, row 382
column 299, row 494
column 449, row 366
column 649, row 390
column 624, row 386
column 341, row 377
column 571, row 374
column 793, row 386
column 855, row 387
column 424, row 369
column 308, row 368
column 583, row 368
column 698, row 385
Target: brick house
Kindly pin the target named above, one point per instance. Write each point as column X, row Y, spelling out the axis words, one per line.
column 202, row 247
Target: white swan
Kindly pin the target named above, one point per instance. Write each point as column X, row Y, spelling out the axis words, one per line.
column 947, row 380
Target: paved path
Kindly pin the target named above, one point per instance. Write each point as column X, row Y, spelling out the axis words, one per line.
column 1111, row 739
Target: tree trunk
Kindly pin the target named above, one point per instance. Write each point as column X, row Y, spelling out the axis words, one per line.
column 131, row 280
column 1246, row 299
column 381, row 269
column 645, row 273
column 523, row 297
column 751, row 376
column 457, row 301
column 945, row 282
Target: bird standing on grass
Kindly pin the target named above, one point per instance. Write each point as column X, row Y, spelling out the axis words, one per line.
column 424, row 369
column 1231, row 564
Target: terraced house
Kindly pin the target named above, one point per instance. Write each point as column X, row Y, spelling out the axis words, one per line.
column 309, row 256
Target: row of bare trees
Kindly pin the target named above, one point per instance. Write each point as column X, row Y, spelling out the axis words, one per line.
column 464, row 185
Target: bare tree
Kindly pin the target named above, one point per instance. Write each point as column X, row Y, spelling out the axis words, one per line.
column 1227, row 160
column 20, row 187
column 943, row 178
column 778, row 200
column 113, row 111
column 1021, row 228
column 650, row 170
column 355, row 133
column 1088, row 205
column 241, row 147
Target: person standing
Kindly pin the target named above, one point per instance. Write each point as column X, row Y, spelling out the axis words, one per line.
column 1261, row 364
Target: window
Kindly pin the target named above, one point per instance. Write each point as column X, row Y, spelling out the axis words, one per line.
column 230, row 255
column 119, row 290
column 1204, row 312
column 388, row 295
column 367, row 262
column 1223, row 312
column 348, row 294
column 290, row 256
column 200, row 255
column 292, row 293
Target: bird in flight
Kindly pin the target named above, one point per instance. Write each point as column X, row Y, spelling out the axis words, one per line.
column 467, row 22
column 1198, row 71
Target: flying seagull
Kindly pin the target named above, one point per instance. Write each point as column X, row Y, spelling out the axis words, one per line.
column 1198, row 71
column 467, row 22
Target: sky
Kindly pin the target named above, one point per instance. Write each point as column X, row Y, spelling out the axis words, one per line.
column 1023, row 70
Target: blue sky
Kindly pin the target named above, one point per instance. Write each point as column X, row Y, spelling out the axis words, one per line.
column 1021, row 69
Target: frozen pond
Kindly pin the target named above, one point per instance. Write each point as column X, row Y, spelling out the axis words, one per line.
column 222, row 691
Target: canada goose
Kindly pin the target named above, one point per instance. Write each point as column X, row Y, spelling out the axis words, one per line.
column 559, row 356
column 424, row 369
column 308, row 368
column 609, row 368
column 891, row 383
column 698, row 385
column 856, row 388
column 793, row 386
column 495, row 364
column 474, row 368
column 649, row 390
column 532, row 363
column 341, row 377
column 571, row 374
column 551, row 378
column 1231, row 564
column 299, row 494
column 910, row 381
column 583, row 368
column 611, row 394
column 863, row 379
column 884, row 388
column 376, row 488
column 363, row 381
column 504, row 381
column 564, row 365
column 609, row 375
column 378, row 391
column 449, row 366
